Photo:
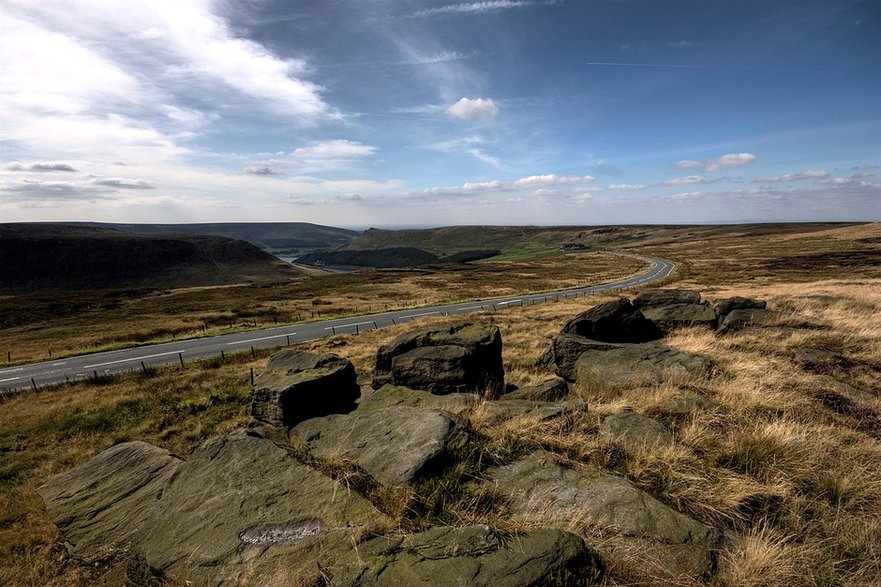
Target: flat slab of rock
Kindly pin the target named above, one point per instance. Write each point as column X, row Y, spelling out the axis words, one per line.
column 296, row 386
column 474, row 556
column 739, row 319
column 394, row 445
column 547, row 391
column 617, row 321
column 565, row 350
column 494, row 412
column 241, row 510
column 635, row 431
column 99, row 505
column 638, row 364
column 642, row 532
column 665, row 297
column 675, row 315
column 446, row 358
column 393, row 395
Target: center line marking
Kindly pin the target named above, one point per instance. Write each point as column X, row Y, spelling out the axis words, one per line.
column 422, row 314
column 261, row 338
column 133, row 359
column 10, row 379
column 347, row 325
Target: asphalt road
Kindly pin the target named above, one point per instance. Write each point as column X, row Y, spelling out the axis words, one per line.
column 84, row 366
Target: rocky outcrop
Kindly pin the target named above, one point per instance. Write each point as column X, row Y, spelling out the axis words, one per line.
column 665, row 297
column 640, row 531
column 444, row 359
column 616, row 321
column 392, row 395
column 547, row 391
column 634, row 431
column 565, row 350
column 474, row 556
column 739, row 319
column 296, row 386
column 395, row 445
column 676, row 315
column 242, row 510
column 99, row 505
column 642, row 364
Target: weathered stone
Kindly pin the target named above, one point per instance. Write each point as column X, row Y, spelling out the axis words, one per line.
column 242, row 510
column 500, row 411
column 296, row 386
column 724, row 306
column 547, row 391
column 616, row 321
column 445, row 358
column 394, row 445
column 474, row 556
column 640, row 531
column 676, row 315
column 739, row 319
column 687, row 403
column 391, row 395
column 635, row 431
column 565, row 350
column 99, row 505
column 638, row 364
column 665, row 297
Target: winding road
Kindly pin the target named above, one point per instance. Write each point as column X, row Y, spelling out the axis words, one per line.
column 83, row 366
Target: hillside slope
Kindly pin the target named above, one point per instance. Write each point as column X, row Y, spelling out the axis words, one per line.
column 266, row 235
column 35, row 257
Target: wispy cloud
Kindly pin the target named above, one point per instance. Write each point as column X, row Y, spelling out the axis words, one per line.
column 688, row 180
column 474, row 7
column 38, row 166
column 120, row 182
column 814, row 174
column 729, row 160
column 683, row 44
column 627, row 187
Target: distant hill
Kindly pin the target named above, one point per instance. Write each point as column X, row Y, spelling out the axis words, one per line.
column 273, row 236
column 36, row 257
column 393, row 257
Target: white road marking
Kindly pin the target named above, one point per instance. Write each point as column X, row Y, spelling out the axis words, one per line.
column 347, row 325
column 10, row 379
column 261, row 338
column 422, row 314
column 59, row 363
column 508, row 302
column 5, row 371
column 468, row 308
column 133, row 359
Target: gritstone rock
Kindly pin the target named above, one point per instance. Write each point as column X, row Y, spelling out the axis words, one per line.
column 638, row 364
column 635, row 431
column 442, row 359
column 724, row 306
column 296, row 386
column 547, row 391
column 616, row 321
column 665, row 297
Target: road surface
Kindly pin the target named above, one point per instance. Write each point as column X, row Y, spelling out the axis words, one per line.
column 84, row 366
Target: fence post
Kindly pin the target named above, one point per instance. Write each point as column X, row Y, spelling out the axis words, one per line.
column 253, row 352
column 180, row 356
column 252, row 376
column 144, row 367
column 34, row 383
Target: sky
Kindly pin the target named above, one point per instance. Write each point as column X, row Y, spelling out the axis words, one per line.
column 403, row 113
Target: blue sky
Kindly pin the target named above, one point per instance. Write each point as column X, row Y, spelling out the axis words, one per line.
column 371, row 113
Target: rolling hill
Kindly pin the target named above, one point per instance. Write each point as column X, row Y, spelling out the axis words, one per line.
column 53, row 257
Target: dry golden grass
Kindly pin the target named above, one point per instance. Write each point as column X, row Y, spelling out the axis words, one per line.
column 784, row 455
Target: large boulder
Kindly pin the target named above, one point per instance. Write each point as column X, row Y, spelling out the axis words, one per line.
column 296, row 386
column 547, row 391
column 616, row 321
column 676, row 315
column 392, row 395
column 665, row 297
column 394, row 445
column 565, row 350
column 241, row 510
column 724, row 306
column 99, row 505
column 640, row 532
column 445, row 358
column 638, row 364
column 474, row 556
column 634, row 431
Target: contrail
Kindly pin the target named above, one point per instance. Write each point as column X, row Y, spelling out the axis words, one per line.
column 725, row 67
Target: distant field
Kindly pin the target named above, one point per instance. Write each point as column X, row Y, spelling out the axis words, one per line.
column 790, row 465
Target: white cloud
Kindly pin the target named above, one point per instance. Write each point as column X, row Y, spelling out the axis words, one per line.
column 627, row 187
column 335, row 149
column 473, row 7
column 729, row 160
column 473, row 109
column 121, row 182
column 686, row 195
column 467, row 188
column 815, row 174
column 486, row 158
column 551, row 179
column 38, row 166
column 688, row 180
